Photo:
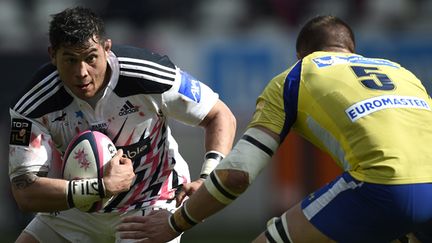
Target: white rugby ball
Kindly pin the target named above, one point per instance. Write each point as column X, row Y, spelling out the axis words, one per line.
column 86, row 157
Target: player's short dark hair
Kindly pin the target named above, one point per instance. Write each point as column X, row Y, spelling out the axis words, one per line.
column 322, row 32
column 73, row 27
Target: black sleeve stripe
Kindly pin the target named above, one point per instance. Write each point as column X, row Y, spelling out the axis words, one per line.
column 128, row 86
column 269, row 237
column 141, row 66
column 36, row 101
column 220, row 188
column 142, row 55
column 143, row 71
column 149, row 76
column 281, row 230
column 38, row 92
column 258, row 144
column 44, row 94
column 139, row 63
column 148, row 70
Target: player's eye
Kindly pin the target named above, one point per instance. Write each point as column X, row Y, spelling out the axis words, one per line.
column 91, row 59
column 71, row 60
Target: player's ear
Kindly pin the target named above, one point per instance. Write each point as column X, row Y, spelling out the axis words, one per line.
column 52, row 56
column 107, row 45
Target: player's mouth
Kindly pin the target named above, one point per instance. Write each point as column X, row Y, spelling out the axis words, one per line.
column 84, row 86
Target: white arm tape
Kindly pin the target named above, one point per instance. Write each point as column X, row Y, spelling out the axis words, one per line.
column 84, row 192
column 218, row 190
column 211, row 160
column 251, row 153
column 277, row 229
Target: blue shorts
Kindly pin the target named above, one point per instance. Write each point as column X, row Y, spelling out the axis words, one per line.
column 350, row 211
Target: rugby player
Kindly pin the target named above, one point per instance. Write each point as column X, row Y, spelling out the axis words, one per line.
column 371, row 115
column 128, row 93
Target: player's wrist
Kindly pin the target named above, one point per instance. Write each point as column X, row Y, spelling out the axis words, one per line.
column 106, row 192
column 83, row 192
column 211, row 160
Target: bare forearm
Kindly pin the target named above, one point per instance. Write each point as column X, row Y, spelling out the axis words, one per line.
column 220, row 128
column 203, row 197
column 39, row 194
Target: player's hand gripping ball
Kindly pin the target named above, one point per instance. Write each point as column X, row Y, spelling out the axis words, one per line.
column 86, row 157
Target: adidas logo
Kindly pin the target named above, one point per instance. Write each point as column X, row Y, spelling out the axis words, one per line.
column 127, row 108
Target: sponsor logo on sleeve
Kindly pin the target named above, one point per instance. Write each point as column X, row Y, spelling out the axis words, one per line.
column 20, row 132
column 190, row 87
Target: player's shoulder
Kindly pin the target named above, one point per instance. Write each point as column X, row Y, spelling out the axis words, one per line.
column 136, row 55
column 45, row 93
column 143, row 71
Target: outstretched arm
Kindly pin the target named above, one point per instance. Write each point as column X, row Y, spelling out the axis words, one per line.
column 231, row 178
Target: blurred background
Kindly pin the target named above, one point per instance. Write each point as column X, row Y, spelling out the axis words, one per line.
column 235, row 47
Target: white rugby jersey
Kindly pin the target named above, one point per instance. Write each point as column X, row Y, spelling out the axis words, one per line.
column 144, row 90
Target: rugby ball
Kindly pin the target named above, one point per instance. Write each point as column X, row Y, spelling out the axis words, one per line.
column 86, row 157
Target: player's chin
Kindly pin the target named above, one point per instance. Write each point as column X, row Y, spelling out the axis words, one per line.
column 84, row 94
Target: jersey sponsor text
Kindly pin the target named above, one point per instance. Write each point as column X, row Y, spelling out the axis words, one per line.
column 366, row 107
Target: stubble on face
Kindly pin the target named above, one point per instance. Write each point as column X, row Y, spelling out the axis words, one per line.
column 84, row 69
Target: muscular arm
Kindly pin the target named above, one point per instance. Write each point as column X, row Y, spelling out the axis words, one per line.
column 220, row 127
column 35, row 193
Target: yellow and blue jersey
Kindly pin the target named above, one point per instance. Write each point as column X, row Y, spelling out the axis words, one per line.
column 371, row 115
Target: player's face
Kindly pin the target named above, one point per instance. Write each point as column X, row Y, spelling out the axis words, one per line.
column 83, row 70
